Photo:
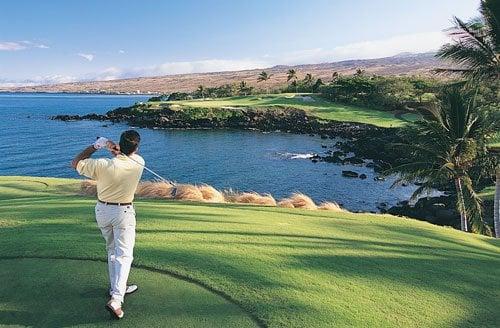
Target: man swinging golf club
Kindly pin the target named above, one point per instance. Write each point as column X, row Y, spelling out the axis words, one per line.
column 117, row 179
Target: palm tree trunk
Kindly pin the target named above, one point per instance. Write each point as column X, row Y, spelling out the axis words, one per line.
column 496, row 215
column 461, row 205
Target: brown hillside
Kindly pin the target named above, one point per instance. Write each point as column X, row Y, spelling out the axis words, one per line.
column 413, row 64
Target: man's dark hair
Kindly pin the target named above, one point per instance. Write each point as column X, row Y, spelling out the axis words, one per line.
column 129, row 141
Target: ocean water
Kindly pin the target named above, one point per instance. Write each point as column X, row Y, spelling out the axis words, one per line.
column 276, row 163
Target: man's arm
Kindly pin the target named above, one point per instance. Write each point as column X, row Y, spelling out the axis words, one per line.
column 101, row 142
column 86, row 153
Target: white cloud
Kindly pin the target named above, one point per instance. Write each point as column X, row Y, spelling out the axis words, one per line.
column 89, row 57
column 20, row 45
column 38, row 80
column 121, row 51
column 203, row 66
column 413, row 43
column 11, row 46
column 169, row 68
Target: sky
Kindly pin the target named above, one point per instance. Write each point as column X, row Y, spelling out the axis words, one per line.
column 64, row 41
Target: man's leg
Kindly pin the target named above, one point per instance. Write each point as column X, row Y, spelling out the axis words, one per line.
column 107, row 232
column 124, row 240
column 104, row 223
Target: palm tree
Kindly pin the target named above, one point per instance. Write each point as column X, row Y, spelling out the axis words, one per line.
column 201, row 91
column 308, row 78
column 292, row 76
column 476, row 49
column 263, row 77
column 317, row 85
column 359, row 72
column 496, row 206
column 444, row 146
column 476, row 44
column 243, row 88
column 308, row 81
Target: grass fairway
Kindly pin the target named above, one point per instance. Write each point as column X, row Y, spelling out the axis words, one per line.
column 288, row 268
column 318, row 107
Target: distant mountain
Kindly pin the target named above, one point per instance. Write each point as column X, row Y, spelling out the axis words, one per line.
column 401, row 64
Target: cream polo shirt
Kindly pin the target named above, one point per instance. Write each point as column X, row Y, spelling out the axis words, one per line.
column 117, row 178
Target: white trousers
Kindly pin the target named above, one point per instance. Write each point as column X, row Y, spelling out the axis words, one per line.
column 117, row 224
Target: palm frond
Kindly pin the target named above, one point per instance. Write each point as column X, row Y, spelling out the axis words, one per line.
column 490, row 11
column 475, row 46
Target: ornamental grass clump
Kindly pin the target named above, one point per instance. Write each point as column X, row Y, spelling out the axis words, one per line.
column 156, row 190
column 298, row 200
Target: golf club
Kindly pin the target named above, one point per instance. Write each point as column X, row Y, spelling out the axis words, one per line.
column 149, row 170
column 146, row 168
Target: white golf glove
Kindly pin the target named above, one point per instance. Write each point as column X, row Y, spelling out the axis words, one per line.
column 100, row 143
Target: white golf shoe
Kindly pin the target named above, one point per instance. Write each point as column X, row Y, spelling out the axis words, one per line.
column 130, row 289
column 115, row 308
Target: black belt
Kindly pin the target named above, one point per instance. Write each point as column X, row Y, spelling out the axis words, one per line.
column 117, row 204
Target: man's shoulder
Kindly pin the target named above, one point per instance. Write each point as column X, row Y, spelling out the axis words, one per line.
column 137, row 158
column 96, row 161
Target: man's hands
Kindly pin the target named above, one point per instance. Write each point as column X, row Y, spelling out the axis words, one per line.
column 113, row 148
column 102, row 142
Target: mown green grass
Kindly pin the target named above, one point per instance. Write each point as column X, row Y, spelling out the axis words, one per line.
column 290, row 268
column 72, row 293
column 319, row 107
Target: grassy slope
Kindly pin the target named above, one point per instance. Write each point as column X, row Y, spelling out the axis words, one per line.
column 321, row 108
column 43, row 295
column 291, row 268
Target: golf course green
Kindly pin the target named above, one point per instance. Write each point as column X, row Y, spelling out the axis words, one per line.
column 310, row 103
column 229, row 265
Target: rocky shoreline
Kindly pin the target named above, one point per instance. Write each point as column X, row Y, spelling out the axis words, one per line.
column 368, row 143
column 289, row 120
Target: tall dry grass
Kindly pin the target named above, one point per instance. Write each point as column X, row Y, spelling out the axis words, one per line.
column 88, row 188
column 298, row 200
column 158, row 190
column 253, row 198
column 330, row 206
column 206, row 193
column 211, row 195
column 188, row 192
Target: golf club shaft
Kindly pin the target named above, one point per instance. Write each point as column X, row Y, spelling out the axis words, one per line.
column 149, row 170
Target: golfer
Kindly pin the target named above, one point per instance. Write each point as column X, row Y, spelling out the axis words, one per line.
column 117, row 179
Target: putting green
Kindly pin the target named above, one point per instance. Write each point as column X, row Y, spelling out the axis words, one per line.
column 62, row 293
